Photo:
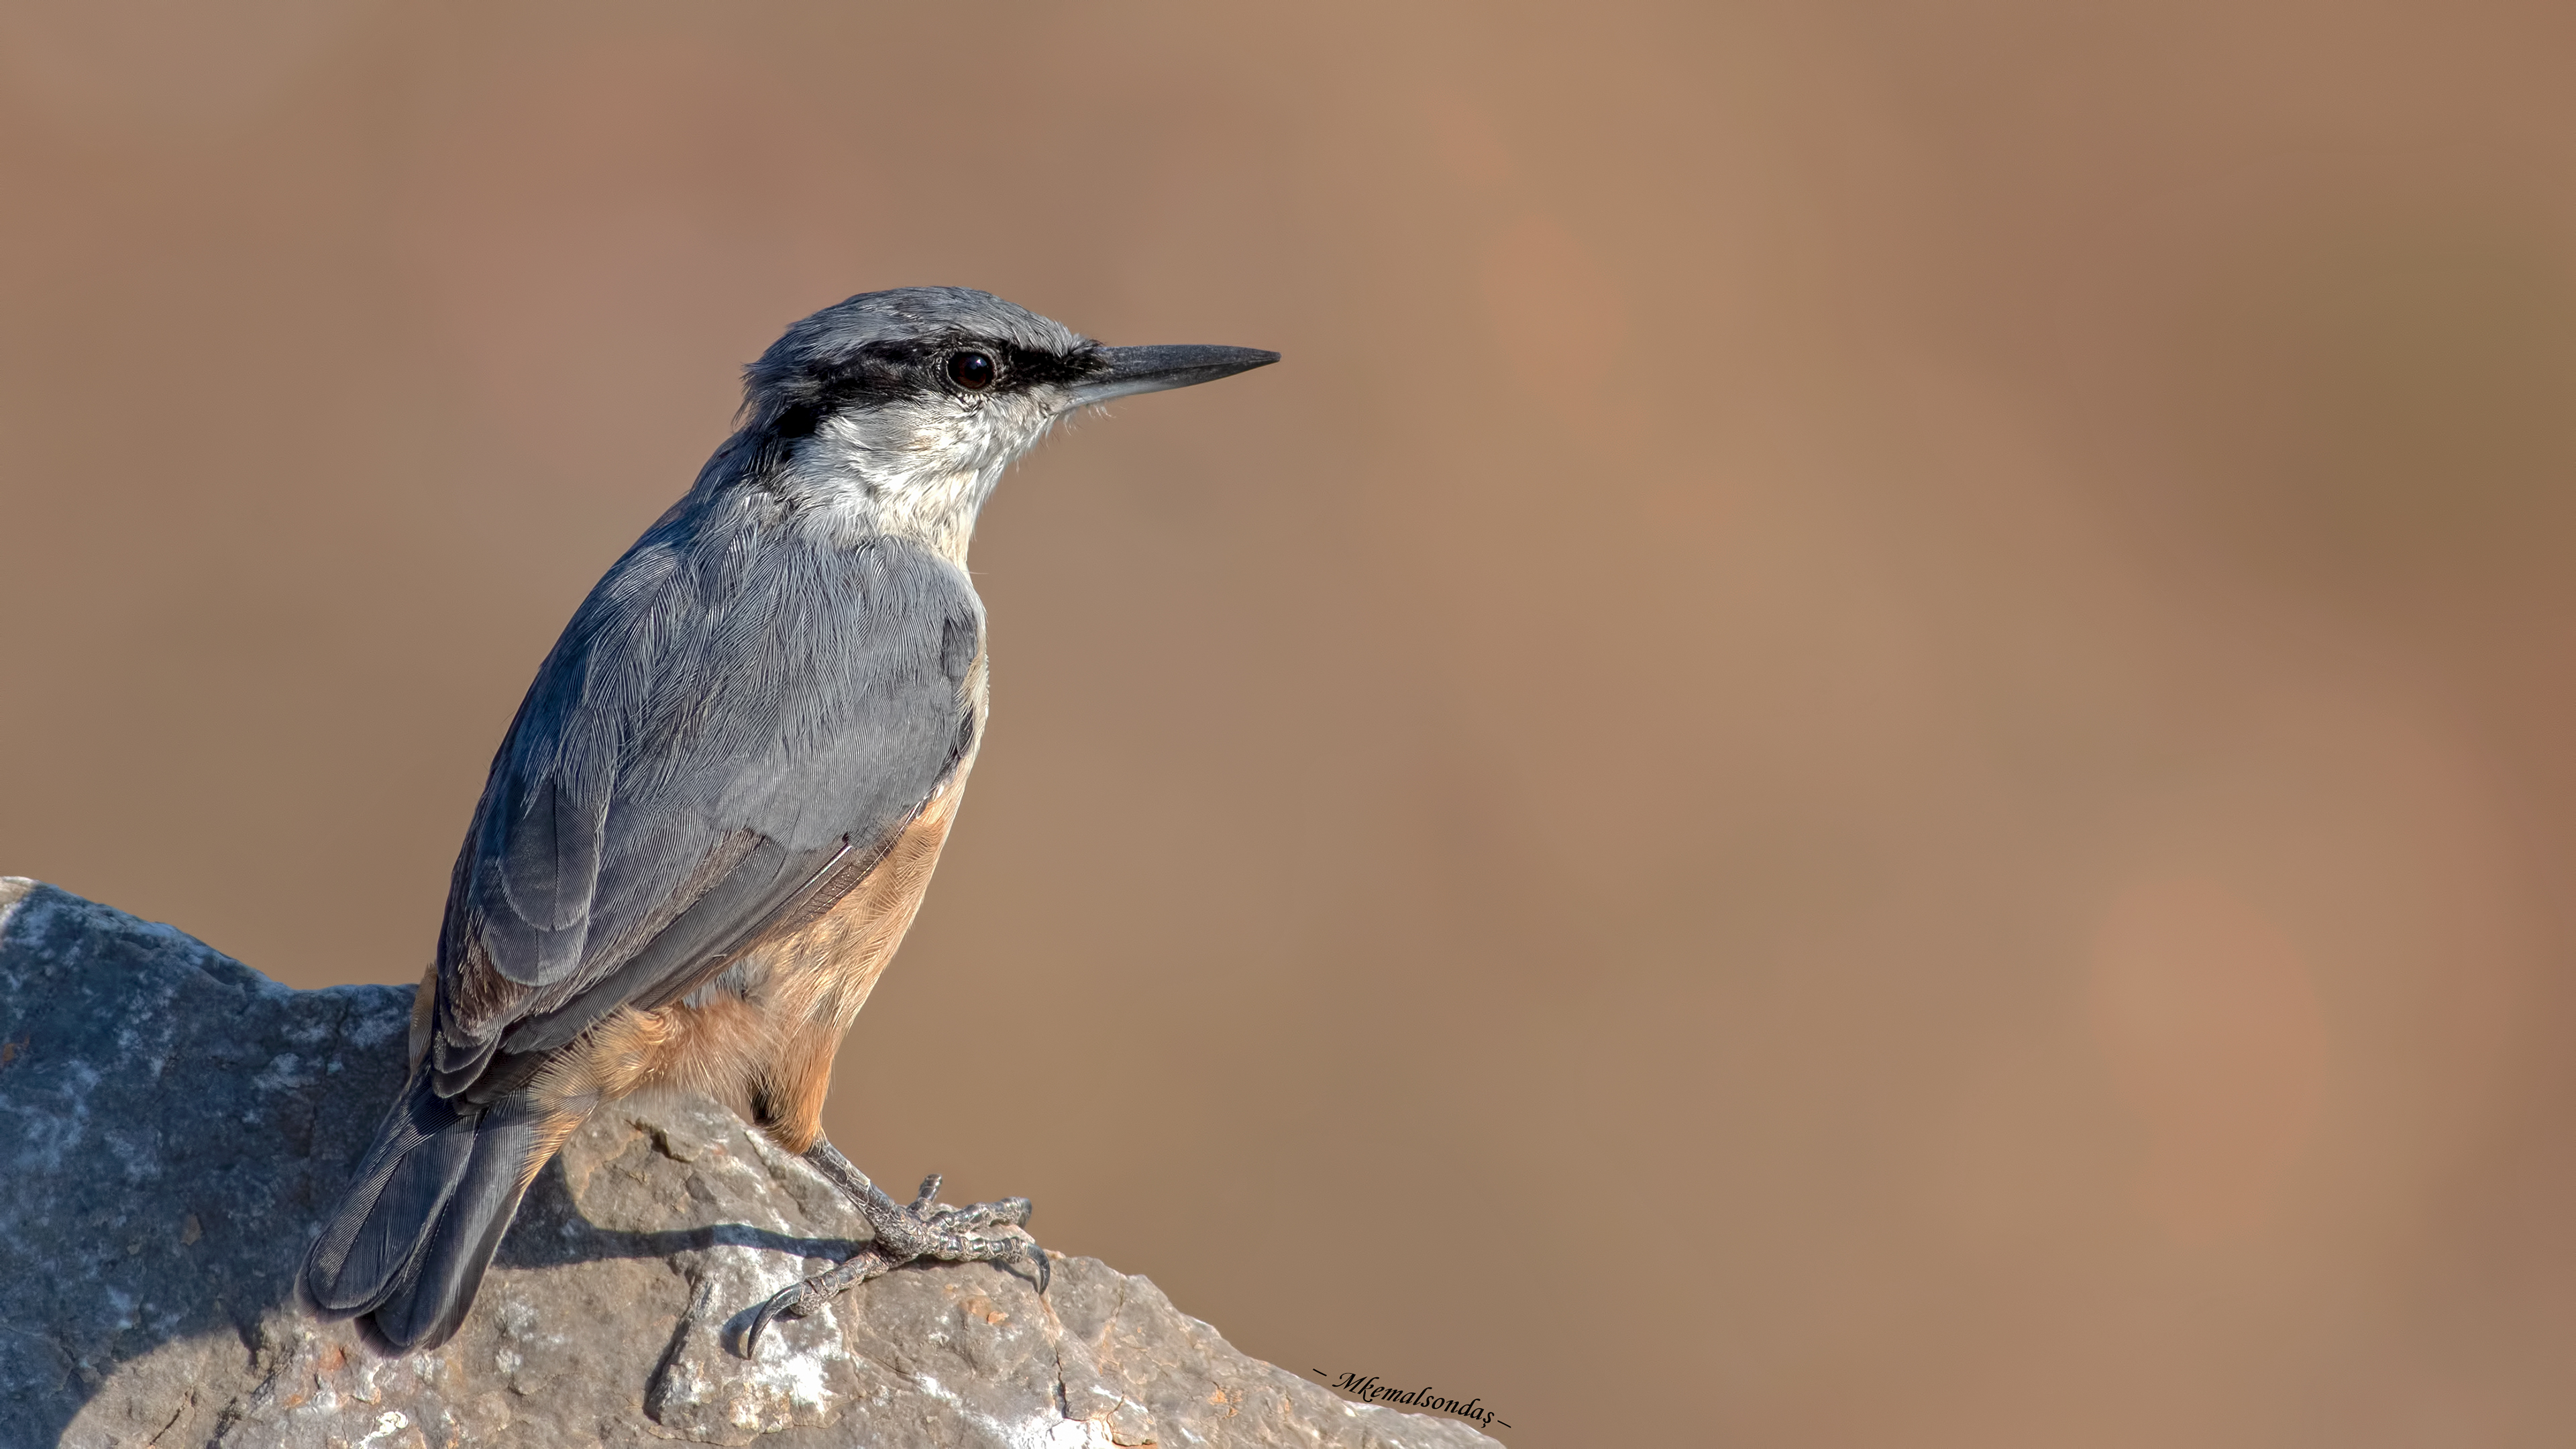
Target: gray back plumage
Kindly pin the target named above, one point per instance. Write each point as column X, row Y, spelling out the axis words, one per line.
column 737, row 705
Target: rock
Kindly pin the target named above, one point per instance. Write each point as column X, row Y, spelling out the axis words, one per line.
column 173, row 1124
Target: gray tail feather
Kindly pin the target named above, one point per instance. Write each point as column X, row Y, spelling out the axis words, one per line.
column 407, row 1247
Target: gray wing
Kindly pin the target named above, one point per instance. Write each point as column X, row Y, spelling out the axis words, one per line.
column 735, row 722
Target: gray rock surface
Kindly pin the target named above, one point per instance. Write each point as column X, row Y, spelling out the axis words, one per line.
column 172, row 1124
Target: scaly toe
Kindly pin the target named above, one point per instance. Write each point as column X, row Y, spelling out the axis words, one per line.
column 797, row 1300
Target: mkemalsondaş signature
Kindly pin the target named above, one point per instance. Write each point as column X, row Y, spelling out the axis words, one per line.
column 1422, row 1398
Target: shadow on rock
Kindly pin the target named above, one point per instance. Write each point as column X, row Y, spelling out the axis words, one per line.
column 175, row 1124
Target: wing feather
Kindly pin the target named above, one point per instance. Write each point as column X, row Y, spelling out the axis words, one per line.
column 733, row 717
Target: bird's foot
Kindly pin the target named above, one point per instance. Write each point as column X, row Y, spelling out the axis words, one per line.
column 979, row 1233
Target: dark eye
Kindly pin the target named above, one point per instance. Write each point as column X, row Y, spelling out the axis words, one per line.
column 972, row 371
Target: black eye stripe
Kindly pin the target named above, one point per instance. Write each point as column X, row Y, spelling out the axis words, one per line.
column 883, row 372
column 885, row 364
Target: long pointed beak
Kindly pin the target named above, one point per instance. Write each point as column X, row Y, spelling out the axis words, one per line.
column 1126, row 371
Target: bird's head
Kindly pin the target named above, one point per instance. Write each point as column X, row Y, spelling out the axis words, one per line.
column 897, row 411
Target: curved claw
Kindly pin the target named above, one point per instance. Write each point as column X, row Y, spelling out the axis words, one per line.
column 786, row 1304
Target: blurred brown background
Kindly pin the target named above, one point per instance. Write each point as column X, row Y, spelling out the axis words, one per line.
column 1872, row 744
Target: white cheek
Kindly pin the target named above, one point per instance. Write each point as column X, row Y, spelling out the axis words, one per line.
column 923, row 472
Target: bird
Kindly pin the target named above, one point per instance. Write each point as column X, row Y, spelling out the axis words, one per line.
column 714, row 816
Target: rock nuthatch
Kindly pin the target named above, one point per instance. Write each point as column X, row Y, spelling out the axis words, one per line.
column 716, row 812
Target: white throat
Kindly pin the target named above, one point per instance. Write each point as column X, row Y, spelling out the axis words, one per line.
column 917, row 473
